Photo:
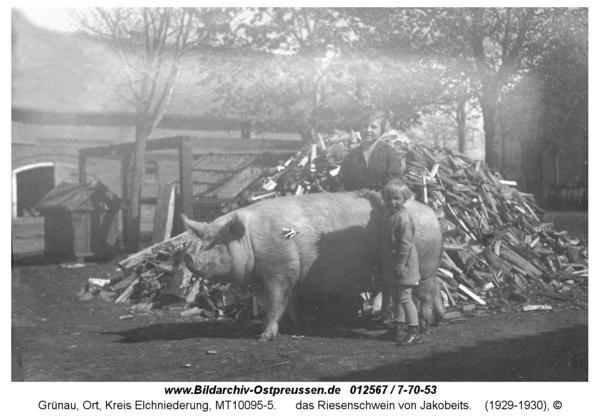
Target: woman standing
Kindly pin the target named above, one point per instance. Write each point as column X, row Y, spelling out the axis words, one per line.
column 373, row 163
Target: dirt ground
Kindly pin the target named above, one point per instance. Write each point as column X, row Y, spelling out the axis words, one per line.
column 57, row 337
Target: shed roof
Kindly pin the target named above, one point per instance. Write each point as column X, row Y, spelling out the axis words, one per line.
column 66, row 196
column 226, row 176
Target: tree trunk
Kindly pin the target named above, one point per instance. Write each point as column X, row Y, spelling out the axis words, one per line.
column 488, row 111
column 556, row 169
column 532, row 166
column 136, row 177
column 461, row 124
column 308, row 136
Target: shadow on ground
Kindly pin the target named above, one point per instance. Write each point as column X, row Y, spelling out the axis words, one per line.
column 560, row 355
column 39, row 258
column 186, row 330
column 36, row 258
column 231, row 330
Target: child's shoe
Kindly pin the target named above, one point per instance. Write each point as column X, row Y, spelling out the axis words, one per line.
column 411, row 338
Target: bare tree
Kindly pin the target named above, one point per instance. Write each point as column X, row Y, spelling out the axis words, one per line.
column 151, row 46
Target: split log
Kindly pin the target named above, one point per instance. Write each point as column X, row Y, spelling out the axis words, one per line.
column 123, row 297
column 132, row 261
column 516, row 259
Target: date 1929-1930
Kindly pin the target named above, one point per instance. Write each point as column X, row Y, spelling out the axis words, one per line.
column 393, row 389
column 499, row 405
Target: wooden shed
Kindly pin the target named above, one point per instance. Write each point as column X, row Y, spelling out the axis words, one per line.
column 81, row 220
column 219, row 179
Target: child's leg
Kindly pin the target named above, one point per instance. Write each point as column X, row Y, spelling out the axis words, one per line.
column 399, row 316
column 397, row 331
column 386, row 302
column 398, row 311
column 412, row 318
column 406, row 303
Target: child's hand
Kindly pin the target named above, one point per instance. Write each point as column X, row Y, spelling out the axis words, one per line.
column 398, row 272
column 364, row 193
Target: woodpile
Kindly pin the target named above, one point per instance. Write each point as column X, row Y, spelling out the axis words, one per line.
column 156, row 277
column 498, row 251
column 497, row 247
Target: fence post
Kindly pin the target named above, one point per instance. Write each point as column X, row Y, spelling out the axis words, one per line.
column 185, row 175
column 82, row 167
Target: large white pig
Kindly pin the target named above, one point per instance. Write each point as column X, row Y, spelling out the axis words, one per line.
column 326, row 241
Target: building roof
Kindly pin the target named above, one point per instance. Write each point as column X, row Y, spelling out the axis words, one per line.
column 71, row 197
column 226, row 176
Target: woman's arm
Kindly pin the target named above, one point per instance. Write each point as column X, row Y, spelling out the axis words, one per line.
column 394, row 166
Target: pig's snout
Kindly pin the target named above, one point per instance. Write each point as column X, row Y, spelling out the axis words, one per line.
column 189, row 262
column 191, row 250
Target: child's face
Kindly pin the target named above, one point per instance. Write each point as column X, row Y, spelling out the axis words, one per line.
column 394, row 201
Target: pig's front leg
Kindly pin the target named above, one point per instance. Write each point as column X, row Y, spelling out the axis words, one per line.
column 277, row 294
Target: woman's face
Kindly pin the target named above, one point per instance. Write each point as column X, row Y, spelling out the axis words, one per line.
column 370, row 131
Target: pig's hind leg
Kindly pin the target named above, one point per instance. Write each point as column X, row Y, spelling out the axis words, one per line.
column 431, row 310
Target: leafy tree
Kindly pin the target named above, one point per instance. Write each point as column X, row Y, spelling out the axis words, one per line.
column 405, row 86
column 313, row 71
column 297, row 78
column 281, row 92
column 546, row 111
column 503, row 45
column 564, row 72
column 151, row 46
column 423, row 81
column 483, row 51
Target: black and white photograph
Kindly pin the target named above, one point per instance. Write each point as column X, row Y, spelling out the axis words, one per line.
column 345, row 195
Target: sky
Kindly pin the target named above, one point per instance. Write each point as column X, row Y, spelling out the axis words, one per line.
column 55, row 18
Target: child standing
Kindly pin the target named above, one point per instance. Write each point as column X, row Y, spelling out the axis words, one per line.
column 400, row 260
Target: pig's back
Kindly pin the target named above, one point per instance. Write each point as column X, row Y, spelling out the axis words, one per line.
column 429, row 241
column 335, row 248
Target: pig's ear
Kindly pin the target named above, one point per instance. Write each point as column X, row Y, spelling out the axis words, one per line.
column 236, row 227
column 199, row 228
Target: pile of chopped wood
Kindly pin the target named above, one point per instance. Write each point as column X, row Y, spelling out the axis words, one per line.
column 496, row 245
column 498, row 251
column 157, row 277
column 497, row 248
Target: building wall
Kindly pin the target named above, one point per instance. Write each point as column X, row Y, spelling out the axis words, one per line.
column 52, row 139
column 89, row 136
